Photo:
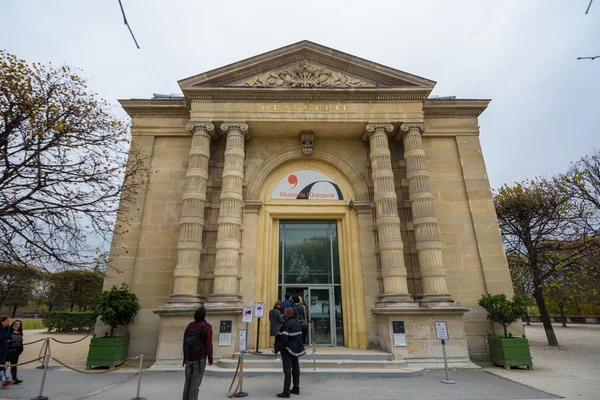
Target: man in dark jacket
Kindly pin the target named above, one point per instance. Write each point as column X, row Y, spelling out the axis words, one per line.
column 196, row 362
column 289, row 343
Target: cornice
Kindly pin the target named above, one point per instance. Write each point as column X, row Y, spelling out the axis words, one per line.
column 457, row 108
column 167, row 108
column 252, row 94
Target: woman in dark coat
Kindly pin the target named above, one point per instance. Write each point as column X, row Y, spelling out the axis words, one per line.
column 4, row 337
column 275, row 318
column 15, row 348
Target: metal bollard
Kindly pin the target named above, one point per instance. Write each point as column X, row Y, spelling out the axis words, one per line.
column 137, row 395
column 446, row 364
column 41, row 395
column 314, row 349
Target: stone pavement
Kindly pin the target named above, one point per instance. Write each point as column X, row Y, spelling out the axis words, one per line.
column 66, row 385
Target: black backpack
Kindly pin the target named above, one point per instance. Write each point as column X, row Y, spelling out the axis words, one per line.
column 192, row 343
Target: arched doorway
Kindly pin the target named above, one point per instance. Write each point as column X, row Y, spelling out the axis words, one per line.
column 319, row 232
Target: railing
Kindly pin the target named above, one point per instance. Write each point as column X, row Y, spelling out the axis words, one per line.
column 573, row 319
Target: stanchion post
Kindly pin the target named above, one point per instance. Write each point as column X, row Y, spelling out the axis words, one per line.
column 241, row 393
column 446, row 363
column 257, row 336
column 137, row 393
column 44, row 350
column 41, row 395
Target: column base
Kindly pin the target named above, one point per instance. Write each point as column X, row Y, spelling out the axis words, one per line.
column 393, row 300
column 434, row 300
column 224, row 303
column 183, row 301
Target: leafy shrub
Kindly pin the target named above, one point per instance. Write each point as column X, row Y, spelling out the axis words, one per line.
column 69, row 321
column 503, row 311
column 116, row 307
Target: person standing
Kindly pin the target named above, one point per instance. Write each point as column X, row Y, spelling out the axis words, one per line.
column 197, row 347
column 4, row 337
column 289, row 343
column 15, row 348
column 275, row 318
column 300, row 313
column 286, row 303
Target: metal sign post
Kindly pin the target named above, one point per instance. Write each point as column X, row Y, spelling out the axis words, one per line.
column 441, row 332
column 259, row 312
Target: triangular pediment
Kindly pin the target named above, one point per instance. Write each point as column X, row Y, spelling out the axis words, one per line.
column 305, row 65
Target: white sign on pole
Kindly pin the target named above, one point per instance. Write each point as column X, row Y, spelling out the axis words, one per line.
column 247, row 314
column 400, row 339
column 242, row 341
column 259, row 310
column 224, row 339
column 441, row 330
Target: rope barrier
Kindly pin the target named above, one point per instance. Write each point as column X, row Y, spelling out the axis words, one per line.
column 273, row 355
column 93, row 372
column 240, row 368
column 19, row 364
column 76, row 341
column 106, row 388
column 34, row 342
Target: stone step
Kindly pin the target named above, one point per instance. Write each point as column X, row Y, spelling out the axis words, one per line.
column 330, row 354
column 306, row 363
column 355, row 372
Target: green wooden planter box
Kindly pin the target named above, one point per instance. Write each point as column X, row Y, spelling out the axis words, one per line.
column 107, row 351
column 510, row 352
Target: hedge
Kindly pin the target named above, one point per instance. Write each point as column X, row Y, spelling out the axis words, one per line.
column 69, row 321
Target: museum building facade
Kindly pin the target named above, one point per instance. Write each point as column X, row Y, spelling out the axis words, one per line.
column 309, row 171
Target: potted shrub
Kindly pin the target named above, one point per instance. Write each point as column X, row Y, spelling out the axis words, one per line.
column 507, row 351
column 115, row 307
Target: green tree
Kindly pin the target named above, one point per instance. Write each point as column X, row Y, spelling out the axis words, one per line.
column 537, row 222
column 77, row 287
column 503, row 311
column 116, row 307
column 16, row 283
column 64, row 166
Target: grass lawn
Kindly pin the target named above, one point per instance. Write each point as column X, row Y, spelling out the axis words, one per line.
column 32, row 324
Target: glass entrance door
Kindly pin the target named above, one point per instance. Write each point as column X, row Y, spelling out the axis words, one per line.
column 309, row 266
column 318, row 302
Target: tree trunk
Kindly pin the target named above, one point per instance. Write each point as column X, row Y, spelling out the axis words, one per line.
column 50, row 306
column 14, row 311
column 112, row 330
column 527, row 319
column 72, row 305
column 561, row 306
column 578, row 309
column 538, row 293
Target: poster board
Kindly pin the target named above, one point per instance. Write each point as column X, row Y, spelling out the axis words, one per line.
column 247, row 314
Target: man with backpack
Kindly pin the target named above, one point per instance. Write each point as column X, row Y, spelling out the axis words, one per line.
column 197, row 346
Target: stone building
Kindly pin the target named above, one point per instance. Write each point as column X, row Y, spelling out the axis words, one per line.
column 310, row 171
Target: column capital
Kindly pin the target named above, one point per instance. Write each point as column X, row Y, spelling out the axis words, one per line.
column 193, row 126
column 371, row 128
column 237, row 125
column 407, row 126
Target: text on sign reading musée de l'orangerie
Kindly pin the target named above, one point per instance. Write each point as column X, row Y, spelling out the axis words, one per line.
column 304, row 107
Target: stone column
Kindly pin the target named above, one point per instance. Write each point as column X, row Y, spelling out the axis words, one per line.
column 428, row 244
column 227, row 265
column 189, row 247
column 391, row 253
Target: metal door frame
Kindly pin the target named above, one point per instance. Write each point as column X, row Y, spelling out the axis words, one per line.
column 332, row 325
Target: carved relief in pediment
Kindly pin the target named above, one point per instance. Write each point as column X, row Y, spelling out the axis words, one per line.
column 305, row 74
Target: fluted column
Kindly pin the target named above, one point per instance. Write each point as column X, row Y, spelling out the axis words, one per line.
column 189, row 247
column 229, row 235
column 428, row 243
column 391, row 253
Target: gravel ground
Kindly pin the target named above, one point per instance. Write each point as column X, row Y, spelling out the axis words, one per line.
column 571, row 370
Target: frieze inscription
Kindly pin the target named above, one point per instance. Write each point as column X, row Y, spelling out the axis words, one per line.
column 304, row 107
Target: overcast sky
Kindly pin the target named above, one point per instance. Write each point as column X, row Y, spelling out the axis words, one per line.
column 545, row 109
